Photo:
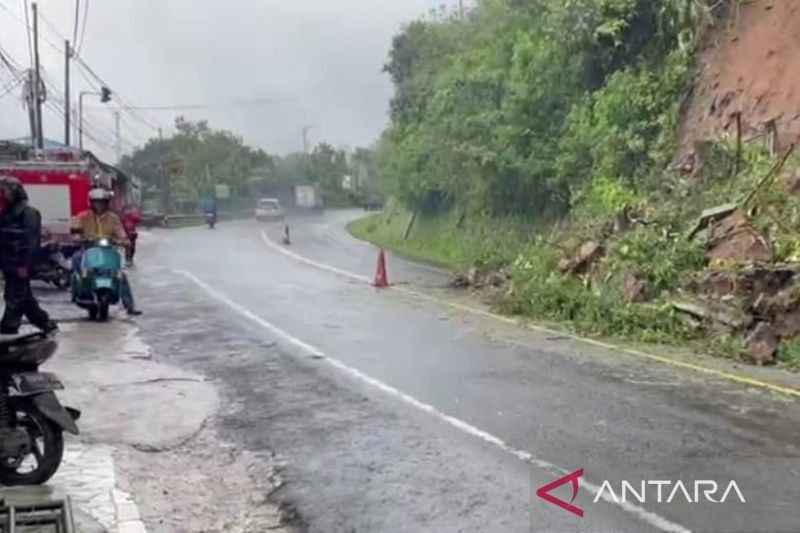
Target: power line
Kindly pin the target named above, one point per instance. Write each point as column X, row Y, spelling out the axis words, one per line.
column 123, row 103
column 82, row 63
column 105, row 143
column 10, row 86
column 240, row 103
column 57, row 103
column 8, row 60
column 101, row 135
column 26, row 23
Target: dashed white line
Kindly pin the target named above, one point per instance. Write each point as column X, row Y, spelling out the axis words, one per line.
column 650, row 518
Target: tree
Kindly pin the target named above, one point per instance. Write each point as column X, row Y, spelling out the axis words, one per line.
column 207, row 157
column 518, row 108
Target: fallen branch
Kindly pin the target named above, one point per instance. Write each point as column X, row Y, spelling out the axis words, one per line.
column 738, row 158
column 772, row 172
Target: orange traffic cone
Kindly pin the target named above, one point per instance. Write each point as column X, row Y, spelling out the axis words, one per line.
column 287, row 239
column 381, row 275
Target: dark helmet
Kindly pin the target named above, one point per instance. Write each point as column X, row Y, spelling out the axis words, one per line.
column 15, row 190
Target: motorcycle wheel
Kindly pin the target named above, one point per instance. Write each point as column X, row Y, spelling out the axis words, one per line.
column 93, row 313
column 62, row 280
column 47, row 449
column 102, row 310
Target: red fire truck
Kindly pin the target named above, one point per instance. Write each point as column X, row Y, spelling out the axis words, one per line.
column 58, row 182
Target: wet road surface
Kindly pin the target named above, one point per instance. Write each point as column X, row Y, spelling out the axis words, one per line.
column 396, row 413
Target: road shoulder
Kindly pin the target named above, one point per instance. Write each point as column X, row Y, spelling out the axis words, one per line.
column 149, row 456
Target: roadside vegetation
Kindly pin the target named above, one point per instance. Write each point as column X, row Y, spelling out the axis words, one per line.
column 538, row 139
column 197, row 158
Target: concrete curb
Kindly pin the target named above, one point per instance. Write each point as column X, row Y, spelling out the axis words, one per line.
column 126, row 513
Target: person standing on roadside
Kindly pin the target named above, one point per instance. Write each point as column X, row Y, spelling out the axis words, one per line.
column 20, row 237
column 131, row 218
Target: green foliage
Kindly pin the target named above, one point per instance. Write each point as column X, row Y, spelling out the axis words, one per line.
column 544, row 111
column 208, row 157
column 205, row 157
column 446, row 239
column 789, row 354
column 515, row 109
column 661, row 258
column 624, row 131
column 606, row 197
column 539, row 291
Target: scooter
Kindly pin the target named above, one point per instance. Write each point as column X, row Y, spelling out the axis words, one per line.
column 211, row 220
column 53, row 264
column 97, row 283
column 32, row 420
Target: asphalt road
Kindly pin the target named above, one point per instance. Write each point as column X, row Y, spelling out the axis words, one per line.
column 395, row 412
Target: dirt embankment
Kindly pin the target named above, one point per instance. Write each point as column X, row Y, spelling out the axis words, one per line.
column 749, row 64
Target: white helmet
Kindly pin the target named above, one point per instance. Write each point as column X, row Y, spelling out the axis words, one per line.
column 97, row 195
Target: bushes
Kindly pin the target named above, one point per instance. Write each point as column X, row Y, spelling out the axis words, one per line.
column 516, row 109
column 538, row 290
column 624, row 131
column 531, row 112
column 659, row 257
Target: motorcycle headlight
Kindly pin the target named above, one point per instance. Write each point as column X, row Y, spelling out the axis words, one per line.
column 103, row 242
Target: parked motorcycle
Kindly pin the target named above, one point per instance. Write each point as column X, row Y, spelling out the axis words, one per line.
column 211, row 220
column 96, row 285
column 32, row 420
column 53, row 264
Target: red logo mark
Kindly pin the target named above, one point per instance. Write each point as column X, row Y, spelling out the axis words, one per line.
column 544, row 492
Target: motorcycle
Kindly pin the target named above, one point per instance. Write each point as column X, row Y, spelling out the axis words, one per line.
column 53, row 264
column 97, row 283
column 32, row 420
column 211, row 220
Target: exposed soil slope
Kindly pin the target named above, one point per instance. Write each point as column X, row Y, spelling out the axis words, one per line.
column 751, row 64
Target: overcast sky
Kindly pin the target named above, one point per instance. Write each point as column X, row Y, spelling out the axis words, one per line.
column 325, row 55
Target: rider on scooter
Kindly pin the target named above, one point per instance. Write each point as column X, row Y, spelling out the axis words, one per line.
column 210, row 207
column 99, row 222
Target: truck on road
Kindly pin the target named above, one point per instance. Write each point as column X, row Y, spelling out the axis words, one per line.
column 307, row 197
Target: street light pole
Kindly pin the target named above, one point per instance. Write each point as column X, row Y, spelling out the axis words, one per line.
column 80, row 116
column 306, row 129
column 67, row 96
column 105, row 96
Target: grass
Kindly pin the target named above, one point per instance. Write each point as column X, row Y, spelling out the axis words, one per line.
column 434, row 240
column 592, row 304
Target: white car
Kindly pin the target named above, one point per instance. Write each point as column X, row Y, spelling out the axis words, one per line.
column 269, row 209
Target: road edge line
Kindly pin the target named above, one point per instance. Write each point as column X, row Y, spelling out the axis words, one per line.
column 685, row 365
column 641, row 513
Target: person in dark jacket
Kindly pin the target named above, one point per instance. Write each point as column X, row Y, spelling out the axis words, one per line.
column 20, row 237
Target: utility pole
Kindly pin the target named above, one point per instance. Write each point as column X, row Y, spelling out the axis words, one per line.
column 36, row 78
column 166, row 180
column 30, row 98
column 67, row 57
column 306, row 129
column 118, row 135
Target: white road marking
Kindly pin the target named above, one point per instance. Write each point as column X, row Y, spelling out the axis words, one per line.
column 311, row 262
column 649, row 517
column 665, row 360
